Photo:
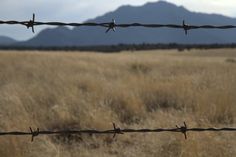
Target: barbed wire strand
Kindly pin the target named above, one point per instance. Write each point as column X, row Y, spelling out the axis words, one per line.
column 112, row 25
column 116, row 130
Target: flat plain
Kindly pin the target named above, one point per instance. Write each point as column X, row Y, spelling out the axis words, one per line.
column 140, row 89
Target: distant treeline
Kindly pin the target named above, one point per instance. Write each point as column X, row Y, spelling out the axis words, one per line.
column 123, row 47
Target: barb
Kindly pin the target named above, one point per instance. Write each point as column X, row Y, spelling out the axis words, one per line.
column 34, row 133
column 31, row 23
column 116, row 130
column 186, row 28
column 183, row 129
column 112, row 25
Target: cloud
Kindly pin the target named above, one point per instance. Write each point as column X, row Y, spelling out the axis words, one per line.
column 226, row 7
column 80, row 10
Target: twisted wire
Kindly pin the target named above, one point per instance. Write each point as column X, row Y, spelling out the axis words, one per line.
column 116, row 130
column 112, row 25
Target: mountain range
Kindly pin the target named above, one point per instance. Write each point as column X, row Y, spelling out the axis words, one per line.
column 6, row 40
column 156, row 12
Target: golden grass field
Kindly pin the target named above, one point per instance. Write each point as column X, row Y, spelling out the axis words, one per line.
column 145, row 89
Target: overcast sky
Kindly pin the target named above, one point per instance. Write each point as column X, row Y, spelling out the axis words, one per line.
column 80, row 10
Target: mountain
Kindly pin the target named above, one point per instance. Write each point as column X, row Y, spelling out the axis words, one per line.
column 155, row 12
column 6, row 41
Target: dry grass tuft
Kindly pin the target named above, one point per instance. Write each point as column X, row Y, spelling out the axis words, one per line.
column 231, row 60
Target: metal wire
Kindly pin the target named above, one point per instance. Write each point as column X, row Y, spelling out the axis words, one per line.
column 116, row 130
column 112, row 25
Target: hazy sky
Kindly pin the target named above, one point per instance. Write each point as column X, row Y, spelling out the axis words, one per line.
column 80, row 10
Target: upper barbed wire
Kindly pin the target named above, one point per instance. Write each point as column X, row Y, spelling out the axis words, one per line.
column 112, row 25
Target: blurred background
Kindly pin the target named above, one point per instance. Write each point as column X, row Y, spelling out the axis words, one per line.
column 144, row 11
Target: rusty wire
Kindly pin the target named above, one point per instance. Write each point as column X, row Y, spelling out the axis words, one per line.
column 112, row 25
column 116, row 130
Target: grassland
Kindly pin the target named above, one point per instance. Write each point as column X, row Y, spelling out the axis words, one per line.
column 55, row 90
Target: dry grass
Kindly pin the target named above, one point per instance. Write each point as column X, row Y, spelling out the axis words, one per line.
column 136, row 90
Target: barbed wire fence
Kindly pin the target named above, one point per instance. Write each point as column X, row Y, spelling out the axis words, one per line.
column 116, row 130
column 112, row 25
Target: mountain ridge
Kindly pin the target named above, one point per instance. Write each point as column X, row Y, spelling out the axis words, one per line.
column 4, row 41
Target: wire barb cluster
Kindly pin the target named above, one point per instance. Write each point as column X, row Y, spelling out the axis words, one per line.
column 31, row 23
column 183, row 129
column 116, row 130
column 112, row 25
column 34, row 133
